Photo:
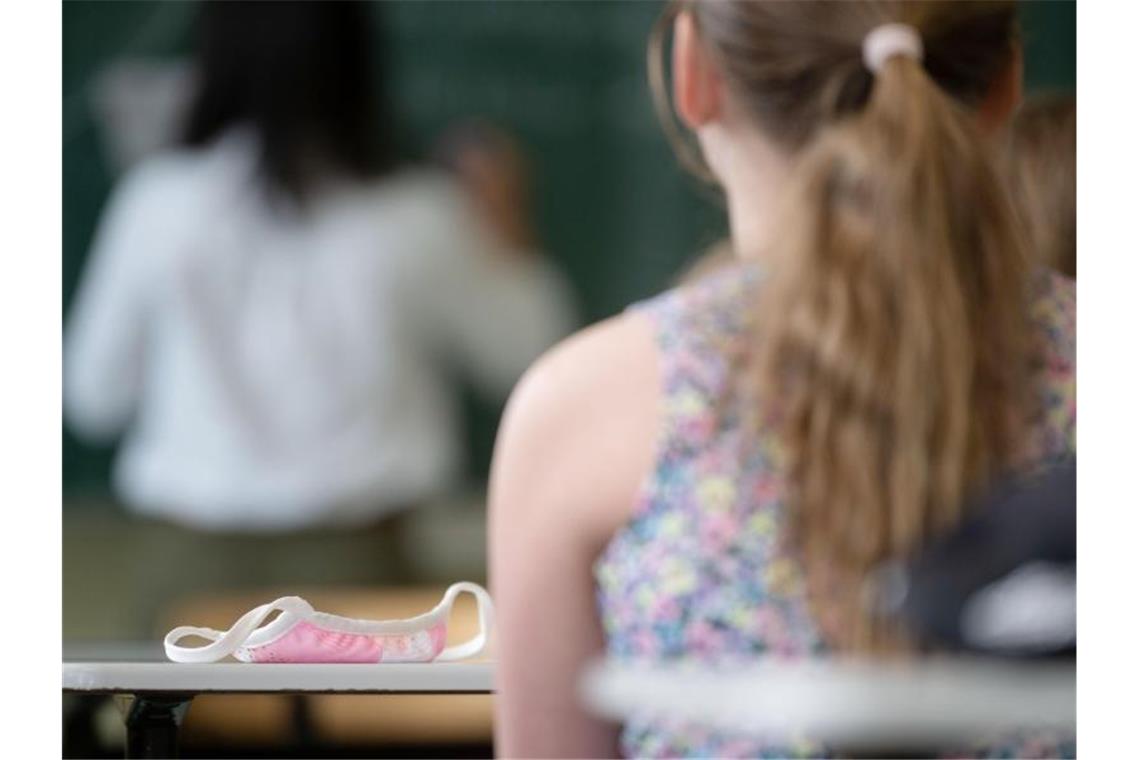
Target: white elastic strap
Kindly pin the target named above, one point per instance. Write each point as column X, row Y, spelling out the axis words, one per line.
column 885, row 42
column 478, row 643
column 224, row 643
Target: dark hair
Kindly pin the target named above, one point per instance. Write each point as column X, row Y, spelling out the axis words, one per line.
column 300, row 75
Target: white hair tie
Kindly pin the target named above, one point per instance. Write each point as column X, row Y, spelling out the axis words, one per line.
column 885, row 42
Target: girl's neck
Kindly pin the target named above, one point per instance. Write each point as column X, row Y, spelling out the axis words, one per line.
column 753, row 174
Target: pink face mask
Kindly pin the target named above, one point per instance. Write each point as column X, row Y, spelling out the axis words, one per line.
column 301, row 634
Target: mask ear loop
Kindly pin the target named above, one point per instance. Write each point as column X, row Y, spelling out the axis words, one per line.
column 478, row 643
column 227, row 642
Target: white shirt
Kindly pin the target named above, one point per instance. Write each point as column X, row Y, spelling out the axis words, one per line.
column 275, row 372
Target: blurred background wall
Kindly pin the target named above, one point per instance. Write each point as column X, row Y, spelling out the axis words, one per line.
column 567, row 78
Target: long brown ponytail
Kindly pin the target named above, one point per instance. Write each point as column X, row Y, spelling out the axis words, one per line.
column 891, row 338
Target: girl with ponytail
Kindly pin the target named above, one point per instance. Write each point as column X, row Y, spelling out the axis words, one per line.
column 714, row 475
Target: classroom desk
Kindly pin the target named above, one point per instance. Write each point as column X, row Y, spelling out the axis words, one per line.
column 160, row 692
column 867, row 709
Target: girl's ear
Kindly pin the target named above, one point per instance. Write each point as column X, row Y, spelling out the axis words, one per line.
column 697, row 83
column 1004, row 95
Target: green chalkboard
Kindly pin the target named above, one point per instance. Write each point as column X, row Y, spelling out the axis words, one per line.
column 568, row 78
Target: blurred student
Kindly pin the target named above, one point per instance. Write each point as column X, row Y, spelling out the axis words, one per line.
column 712, row 476
column 1042, row 164
column 271, row 311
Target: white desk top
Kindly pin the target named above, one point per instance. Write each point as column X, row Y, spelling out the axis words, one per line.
column 931, row 702
column 126, row 667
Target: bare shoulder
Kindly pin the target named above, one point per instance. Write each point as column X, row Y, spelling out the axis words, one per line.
column 596, row 364
column 576, row 439
column 580, row 429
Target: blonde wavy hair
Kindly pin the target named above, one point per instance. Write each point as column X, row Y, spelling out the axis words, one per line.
column 1041, row 164
column 892, row 344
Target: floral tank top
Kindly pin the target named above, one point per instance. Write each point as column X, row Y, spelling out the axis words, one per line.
column 703, row 570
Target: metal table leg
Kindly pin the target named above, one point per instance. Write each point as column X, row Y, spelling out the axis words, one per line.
column 152, row 721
